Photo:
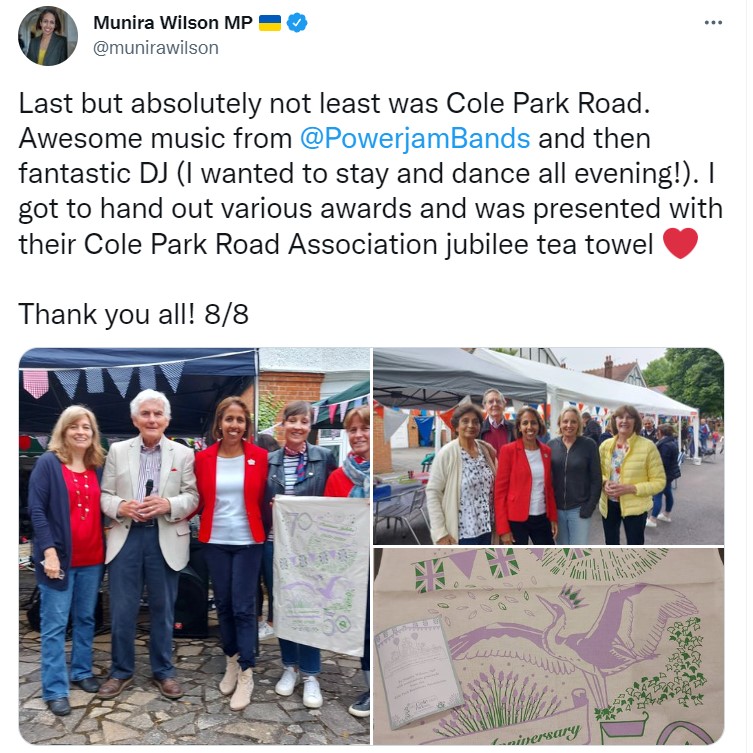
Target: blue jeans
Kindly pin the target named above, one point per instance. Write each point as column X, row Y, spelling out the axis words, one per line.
column 78, row 601
column 267, row 567
column 307, row 658
column 140, row 561
column 572, row 530
column 666, row 492
column 235, row 574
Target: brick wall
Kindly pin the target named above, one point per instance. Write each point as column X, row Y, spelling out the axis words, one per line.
column 381, row 452
column 286, row 386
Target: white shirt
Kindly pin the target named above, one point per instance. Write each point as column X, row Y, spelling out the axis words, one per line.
column 538, row 495
column 230, row 521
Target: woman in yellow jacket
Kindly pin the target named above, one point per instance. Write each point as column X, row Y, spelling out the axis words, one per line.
column 632, row 472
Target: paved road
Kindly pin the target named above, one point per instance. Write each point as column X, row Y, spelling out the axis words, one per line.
column 141, row 716
column 697, row 518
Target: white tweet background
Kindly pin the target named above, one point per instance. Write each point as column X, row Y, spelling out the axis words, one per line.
column 692, row 79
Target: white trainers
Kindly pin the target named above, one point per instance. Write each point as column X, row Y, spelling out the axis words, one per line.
column 650, row 523
column 312, row 694
column 265, row 630
column 665, row 518
column 242, row 696
column 230, row 678
column 286, row 684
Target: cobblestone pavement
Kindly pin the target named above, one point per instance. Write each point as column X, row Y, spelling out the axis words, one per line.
column 141, row 716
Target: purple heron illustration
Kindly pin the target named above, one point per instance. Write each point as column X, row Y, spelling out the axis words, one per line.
column 627, row 631
column 328, row 591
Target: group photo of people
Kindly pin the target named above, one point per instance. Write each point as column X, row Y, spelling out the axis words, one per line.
column 483, row 446
column 118, row 524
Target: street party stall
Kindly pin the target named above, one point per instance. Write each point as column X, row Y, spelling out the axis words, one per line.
column 438, row 379
column 600, row 395
column 106, row 380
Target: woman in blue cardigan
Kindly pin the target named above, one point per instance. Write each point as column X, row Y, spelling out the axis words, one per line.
column 69, row 553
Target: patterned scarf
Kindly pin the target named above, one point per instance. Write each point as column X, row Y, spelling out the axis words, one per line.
column 359, row 474
column 300, row 469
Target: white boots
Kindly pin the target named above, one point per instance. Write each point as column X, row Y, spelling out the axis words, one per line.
column 242, row 696
column 230, row 678
column 239, row 682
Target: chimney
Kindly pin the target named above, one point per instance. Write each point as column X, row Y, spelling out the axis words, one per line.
column 608, row 364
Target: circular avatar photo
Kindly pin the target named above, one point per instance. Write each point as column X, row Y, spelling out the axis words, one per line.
column 47, row 36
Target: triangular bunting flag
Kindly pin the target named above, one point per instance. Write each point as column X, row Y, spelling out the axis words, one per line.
column 316, row 413
column 147, row 378
column 173, row 373
column 332, row 411
column 464, row 561
column 447, row 417
column 95, row 381
column 36, row 383
column 43, row 441
column 343, row 410
column 69, row 380
column 122, row 378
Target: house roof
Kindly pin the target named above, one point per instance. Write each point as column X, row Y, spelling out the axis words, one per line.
column 620, row 371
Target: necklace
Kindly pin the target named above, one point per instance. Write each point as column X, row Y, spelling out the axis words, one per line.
column 82, row 500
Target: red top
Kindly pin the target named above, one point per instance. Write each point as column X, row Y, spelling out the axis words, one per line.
column 87, row 546
column 512, row 488
column 254, row 482
column 338, row 484
column 496, row 437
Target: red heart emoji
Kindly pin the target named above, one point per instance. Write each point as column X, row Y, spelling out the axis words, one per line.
column 680, row 242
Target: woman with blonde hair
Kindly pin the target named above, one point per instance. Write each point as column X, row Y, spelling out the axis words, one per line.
column 576, row 475
column 69, row 552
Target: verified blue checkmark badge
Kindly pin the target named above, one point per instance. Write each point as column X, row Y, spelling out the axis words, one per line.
column 297, row 22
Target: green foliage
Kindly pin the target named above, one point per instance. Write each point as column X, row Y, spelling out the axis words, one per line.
column 506, row 351
column 695, row 376
column 679, row 683
column 269, row 411
column 656, row 372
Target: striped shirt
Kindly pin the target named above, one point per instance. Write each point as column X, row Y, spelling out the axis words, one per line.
column 290, row 467
column 150, row 465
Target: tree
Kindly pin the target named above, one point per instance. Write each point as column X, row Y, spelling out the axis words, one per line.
column 656, row 372
column 695, row 376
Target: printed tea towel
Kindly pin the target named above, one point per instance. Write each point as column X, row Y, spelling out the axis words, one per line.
column 321, row 571
column 563, row 645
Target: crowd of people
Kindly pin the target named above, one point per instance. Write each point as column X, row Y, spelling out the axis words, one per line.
column 146, row 491
column 511, row 483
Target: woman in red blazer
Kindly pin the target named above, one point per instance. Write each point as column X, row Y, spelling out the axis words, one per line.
column 523, row 492
column 231, row 476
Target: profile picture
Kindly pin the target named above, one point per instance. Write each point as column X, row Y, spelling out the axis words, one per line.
column 47, row 36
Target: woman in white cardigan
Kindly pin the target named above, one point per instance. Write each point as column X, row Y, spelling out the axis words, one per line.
column 459, row 495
